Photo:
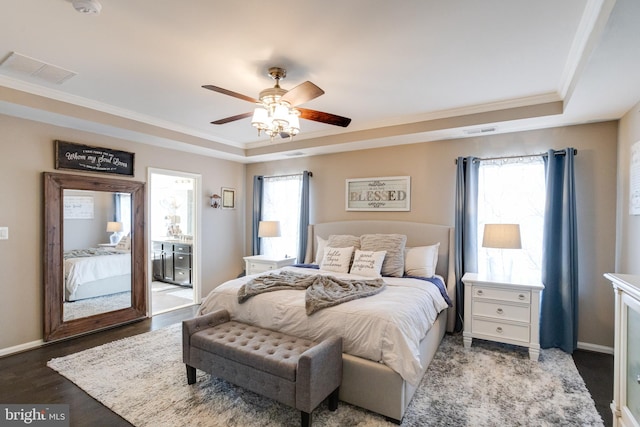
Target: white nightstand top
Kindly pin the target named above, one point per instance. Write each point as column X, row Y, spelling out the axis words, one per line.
column 489, row 280
column 267, row 258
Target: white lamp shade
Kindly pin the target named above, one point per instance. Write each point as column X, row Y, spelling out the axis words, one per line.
column 260, row 118
column 114, row 227
column 281, row 115
column 502, row 236
column 269, row 229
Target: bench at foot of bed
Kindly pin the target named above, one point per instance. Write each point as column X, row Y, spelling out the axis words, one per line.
column 294, row 371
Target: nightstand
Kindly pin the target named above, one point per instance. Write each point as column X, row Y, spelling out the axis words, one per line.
column 504, row 311
column 261, row 263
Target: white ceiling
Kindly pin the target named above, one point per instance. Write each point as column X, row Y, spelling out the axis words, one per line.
column 405, row 72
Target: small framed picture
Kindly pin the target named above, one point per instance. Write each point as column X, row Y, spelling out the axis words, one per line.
column 228, row 198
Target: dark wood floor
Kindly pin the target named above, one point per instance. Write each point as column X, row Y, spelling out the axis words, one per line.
column 25, row 379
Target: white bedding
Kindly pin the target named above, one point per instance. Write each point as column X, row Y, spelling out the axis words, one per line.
column 386, row 327
column 78, row 271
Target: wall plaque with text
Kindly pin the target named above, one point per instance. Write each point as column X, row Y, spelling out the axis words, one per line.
column 379, row 194
column 93, row 159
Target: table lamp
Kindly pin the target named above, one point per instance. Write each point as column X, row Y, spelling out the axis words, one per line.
column 114, row 227
column 501, row 236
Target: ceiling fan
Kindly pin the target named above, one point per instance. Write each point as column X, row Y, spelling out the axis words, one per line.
column 277, row 110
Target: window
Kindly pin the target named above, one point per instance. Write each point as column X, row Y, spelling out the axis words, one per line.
column 512, row 191
column 281, row 202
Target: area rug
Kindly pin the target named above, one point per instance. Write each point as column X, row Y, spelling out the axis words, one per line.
column 143, row 379
column 90, row 306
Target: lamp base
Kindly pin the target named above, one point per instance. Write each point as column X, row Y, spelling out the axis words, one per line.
column 114, row 239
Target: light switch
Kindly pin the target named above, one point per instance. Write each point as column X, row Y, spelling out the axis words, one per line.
column 4, row 233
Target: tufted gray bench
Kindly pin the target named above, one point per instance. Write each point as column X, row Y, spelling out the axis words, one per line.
column 297, row 372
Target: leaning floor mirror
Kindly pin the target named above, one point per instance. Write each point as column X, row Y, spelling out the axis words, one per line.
column 94, row 254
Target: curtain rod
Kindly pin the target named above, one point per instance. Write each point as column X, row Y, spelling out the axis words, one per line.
column 286, row 175
column 556, row 153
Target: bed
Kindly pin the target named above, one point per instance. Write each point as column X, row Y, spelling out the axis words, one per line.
column 90, row 273
column 384, row 362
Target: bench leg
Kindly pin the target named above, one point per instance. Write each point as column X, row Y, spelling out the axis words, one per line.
column 333, row 399
column 306, row 419
column 191, row 374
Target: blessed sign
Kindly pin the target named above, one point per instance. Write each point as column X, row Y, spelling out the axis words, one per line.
column 93, row 159
column 379, row 194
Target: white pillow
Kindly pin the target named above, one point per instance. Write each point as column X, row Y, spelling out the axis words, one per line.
column 336, row 259
column 421, row 260
column 124, row 244
column 367, row 263
column 320, row 245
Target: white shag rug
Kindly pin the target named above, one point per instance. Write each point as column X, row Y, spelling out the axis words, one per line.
column 143, row 379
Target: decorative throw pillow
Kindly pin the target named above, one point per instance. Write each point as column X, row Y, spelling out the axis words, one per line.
column 124, row 244
column 393, row 264
column 336, row 259
column 367, row 263
column 343, row 241
column 421, row 260
column 320, row 245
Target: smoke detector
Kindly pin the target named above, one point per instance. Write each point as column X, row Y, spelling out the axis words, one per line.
column 87, row 7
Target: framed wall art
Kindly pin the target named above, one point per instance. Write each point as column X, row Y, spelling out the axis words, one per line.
column 378, row 194
column 228, row 198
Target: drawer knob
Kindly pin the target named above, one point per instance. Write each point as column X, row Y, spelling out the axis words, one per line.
column 499, row 329
column 638, row 379
column 500, row 311
column 521, row 297
column 479, row 292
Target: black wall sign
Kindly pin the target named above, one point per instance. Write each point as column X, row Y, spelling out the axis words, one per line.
column 93, row 159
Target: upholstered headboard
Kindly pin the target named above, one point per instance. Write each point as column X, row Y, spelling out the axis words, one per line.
column 418, row 234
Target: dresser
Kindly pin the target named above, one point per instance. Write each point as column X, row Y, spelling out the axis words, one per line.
column 172, row 262
column 260, row 263
column 626, row 368
column 505, row 311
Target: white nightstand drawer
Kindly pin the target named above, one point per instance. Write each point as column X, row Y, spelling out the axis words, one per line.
column 501, row 311
column 501, row 330
column 501, row 294
column 259, row 267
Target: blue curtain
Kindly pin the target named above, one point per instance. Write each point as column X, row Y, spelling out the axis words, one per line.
column 559, row 305
column 257, row 213
column 304, row 216
column 466, row 228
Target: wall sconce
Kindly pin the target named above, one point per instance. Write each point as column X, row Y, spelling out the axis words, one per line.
column 215, row 201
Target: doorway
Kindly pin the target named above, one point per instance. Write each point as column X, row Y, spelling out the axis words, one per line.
column 174, row 249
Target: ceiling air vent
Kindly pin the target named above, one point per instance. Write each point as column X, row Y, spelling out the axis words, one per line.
column 477, row 131
column 24, row 65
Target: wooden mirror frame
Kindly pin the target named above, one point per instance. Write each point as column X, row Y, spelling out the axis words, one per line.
column 54, row 325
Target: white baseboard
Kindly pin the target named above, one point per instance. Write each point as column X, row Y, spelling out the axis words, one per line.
column 21, row 347
column 595, row 347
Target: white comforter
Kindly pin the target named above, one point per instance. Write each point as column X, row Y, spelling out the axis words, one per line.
column 78, row 271
column 386, row 327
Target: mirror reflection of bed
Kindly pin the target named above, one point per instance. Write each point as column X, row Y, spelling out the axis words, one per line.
column 96, row 252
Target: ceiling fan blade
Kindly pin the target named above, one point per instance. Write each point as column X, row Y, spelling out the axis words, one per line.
column 232, row 118
column 302, row 93
column 319, row 116
column 230, row 93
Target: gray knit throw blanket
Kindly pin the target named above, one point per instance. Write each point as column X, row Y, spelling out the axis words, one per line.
column 321, row 291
